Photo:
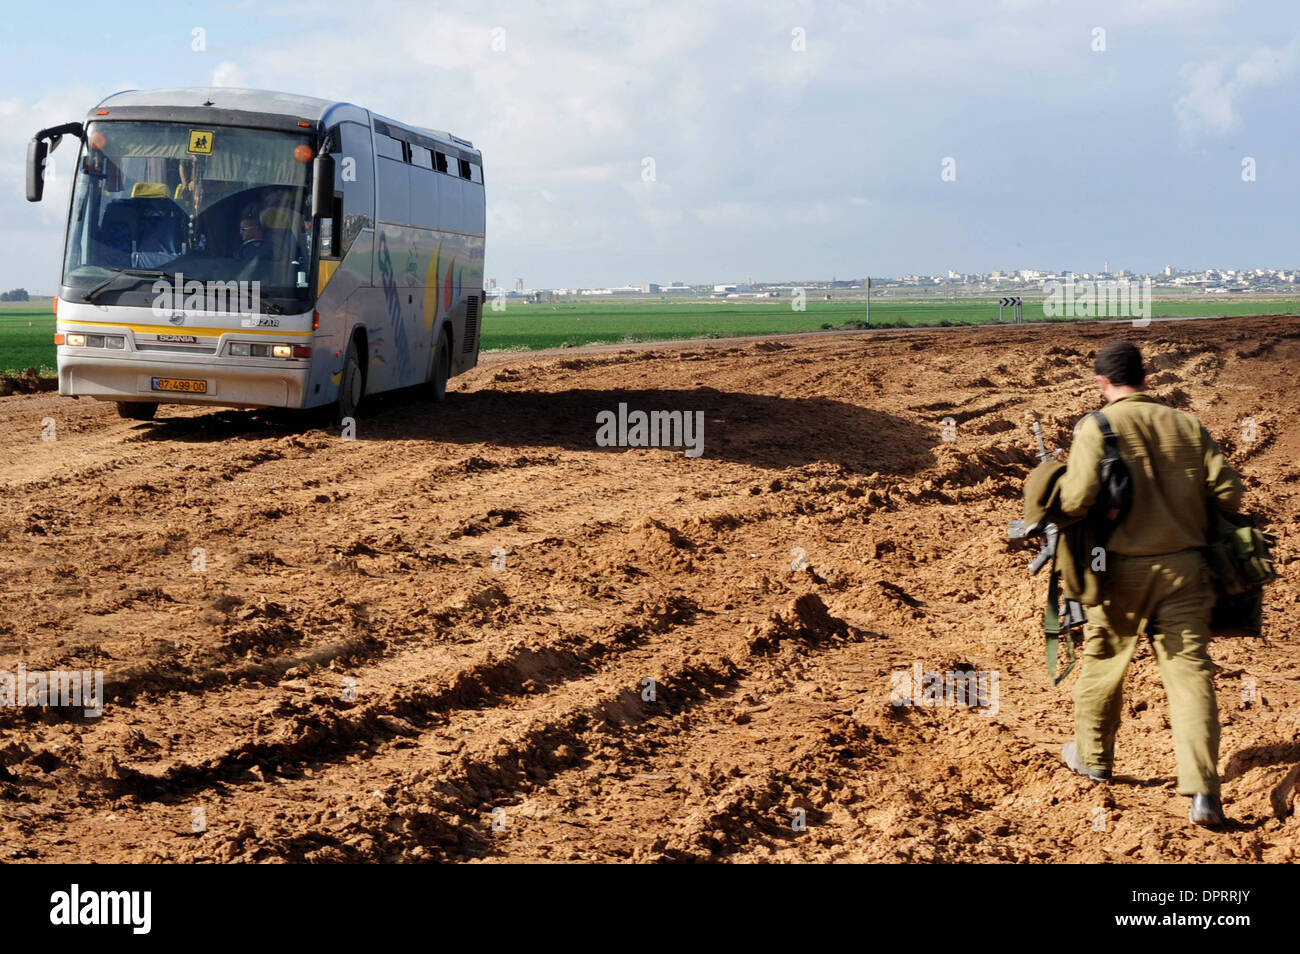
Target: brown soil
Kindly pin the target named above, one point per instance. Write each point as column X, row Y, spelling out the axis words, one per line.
column 29, row 382
column 351, row 679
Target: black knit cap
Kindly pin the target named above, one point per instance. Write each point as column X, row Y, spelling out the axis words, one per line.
column 1121, row 361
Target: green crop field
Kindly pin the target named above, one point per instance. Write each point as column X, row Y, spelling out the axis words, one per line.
column 568, row 324
column 26, row 338
column 27, row 328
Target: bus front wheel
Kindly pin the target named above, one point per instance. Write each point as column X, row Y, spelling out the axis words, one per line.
column 137, row 410
column 351, row 385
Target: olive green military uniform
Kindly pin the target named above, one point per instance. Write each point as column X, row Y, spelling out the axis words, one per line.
column 1157, row 585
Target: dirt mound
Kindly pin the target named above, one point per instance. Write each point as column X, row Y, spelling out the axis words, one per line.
column 806, row 620
column 29, row 382
column 658, row 546
column 997, row 469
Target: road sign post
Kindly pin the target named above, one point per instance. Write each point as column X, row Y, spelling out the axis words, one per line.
column 1011, row 301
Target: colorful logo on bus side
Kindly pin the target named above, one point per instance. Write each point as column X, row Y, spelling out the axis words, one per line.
column 394, row 303
column 439, row 293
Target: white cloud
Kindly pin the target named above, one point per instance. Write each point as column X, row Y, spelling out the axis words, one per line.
column 1214, row 90
column 228, row 74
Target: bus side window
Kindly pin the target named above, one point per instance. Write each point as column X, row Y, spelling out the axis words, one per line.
column 354, row 176
column 440, row 161
column 424, row 197
column 390, row 148
column 464, row 168
column 475, row 173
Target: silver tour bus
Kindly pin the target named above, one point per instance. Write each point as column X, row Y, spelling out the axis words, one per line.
column 243, row 248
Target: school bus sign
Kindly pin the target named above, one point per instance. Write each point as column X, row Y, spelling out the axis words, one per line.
column 201, row 142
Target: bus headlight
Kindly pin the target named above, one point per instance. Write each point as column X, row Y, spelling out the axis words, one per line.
column 281, row 351
column 115, row 341
column 77, row 341
column 239, row 349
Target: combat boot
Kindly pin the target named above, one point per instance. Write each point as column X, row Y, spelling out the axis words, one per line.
column 1070, row 756
column 1206, row 811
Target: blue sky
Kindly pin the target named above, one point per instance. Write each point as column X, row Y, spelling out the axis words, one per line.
column 770, row 161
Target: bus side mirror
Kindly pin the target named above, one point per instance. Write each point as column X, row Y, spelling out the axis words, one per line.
column 36, row 153
column 322, row 186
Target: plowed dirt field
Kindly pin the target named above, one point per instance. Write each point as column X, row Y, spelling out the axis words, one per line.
column 471, row 634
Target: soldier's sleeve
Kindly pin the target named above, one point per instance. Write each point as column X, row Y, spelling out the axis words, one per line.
column 1080, row 483
column 1221, row 481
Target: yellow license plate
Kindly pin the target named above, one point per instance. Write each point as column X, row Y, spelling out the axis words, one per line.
column 186, row 385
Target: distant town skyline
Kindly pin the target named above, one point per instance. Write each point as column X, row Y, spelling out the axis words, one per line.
column 1168, row 275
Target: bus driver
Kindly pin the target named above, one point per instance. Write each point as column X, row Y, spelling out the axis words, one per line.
column 253, row 243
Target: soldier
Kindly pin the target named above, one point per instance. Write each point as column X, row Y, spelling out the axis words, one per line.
column 1158, row 584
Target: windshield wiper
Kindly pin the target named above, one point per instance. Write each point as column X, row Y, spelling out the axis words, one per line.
column 137, row 273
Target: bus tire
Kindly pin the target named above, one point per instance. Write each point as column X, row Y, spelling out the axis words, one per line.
column 351, row 385
column 137, row 410
column 441, row 370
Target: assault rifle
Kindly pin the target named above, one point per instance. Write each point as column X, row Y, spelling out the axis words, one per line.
column 1017, row 530
column 1071, row 615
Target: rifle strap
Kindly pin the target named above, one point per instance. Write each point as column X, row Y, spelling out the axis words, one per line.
column 1109, row 441
column 1052, row 628
column 1110, row 460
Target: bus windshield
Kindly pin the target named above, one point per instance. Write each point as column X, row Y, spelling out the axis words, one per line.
column 215, row 204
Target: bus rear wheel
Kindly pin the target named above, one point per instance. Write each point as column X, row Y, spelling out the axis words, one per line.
column 351, row 385
column 137, row 410
column 441, row 370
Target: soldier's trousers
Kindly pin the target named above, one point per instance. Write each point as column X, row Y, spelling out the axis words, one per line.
column 1169, row 599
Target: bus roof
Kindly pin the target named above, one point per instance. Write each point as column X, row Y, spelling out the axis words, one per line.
column 290, row 106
